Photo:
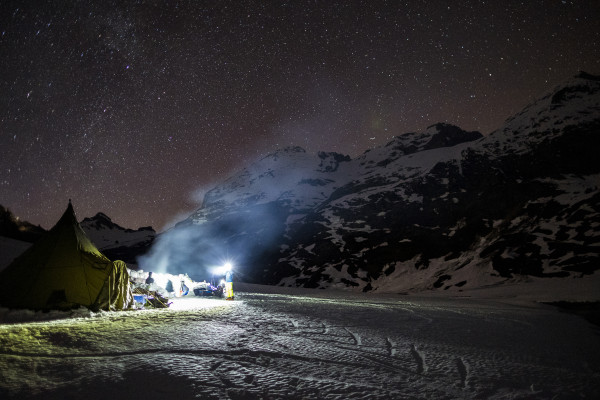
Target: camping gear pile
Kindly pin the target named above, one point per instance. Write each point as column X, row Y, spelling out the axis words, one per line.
column 206, row 289
column 169, row 286
column 144, row 298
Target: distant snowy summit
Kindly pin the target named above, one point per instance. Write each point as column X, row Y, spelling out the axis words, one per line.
column 115, row 241
column 290, row 176
column 573, row 103
column 440, row 209
column 302, row 181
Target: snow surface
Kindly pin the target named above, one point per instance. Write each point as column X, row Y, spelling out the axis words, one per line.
column 106, row 235
column 11, row 249
column 279, row 343
column 113, row 238
column 304, row 179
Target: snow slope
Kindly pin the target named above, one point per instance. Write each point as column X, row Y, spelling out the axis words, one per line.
column 11, row 249
column 290, row 175
column 439, row 209
column 283, row 343
column 521, row 202
column 116, row 242
column 105, row 234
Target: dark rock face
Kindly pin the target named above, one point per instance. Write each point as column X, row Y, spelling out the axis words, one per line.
column 442, row 209
column 14, row 228
column 450, row 135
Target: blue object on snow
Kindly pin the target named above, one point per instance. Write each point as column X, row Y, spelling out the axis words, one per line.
column 139, row 298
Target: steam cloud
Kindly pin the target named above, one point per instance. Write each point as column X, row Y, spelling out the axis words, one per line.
column 244, row 236
column 243, row 220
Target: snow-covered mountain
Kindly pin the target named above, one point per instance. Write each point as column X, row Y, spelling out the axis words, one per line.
column 116, row 242
column 442, row 208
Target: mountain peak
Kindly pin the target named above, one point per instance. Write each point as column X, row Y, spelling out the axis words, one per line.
column 440, row 208
column 285, row 151
column 102, row 216
column 440, row 126
column 293, row 149
column 573, row 102
column 585, row 75
column 100, row 220
column 447, row 135
column 580, row 85
column 115, row 241
column 433, row 137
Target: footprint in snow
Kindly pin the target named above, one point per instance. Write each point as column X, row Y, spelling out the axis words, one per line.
column 391, row 347
column 419, row 358
column 463, row 371
column 355, row 336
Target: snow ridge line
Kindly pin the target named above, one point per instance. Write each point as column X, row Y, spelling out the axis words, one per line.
column 197, row 352
column 463, row 372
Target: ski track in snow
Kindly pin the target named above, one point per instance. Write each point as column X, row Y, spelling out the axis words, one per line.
column 463, row 371
column 276, row 347
column 419, row 359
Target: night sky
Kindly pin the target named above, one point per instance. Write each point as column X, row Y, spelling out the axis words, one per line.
column 135, row 108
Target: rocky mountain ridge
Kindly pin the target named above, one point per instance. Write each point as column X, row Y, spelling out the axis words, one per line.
column 439, row 209
column 116, row 242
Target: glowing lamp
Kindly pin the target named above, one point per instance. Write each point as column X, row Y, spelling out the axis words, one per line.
column 223, row 269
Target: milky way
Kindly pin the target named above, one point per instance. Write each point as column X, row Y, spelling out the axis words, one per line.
column 132, row 108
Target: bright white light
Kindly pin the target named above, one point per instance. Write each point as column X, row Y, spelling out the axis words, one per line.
column 223, row 269
column 161, row 280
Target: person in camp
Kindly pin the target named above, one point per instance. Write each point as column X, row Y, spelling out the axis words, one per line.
column 184, row 289
column 229, row 284
column 149, row 279
column 169, row 287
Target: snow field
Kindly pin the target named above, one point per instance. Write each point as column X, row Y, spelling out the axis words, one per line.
column 305, row 344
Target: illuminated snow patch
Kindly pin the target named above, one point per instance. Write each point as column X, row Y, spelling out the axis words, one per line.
column 198, row 303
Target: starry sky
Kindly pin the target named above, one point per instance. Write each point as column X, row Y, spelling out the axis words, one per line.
column 135, row 108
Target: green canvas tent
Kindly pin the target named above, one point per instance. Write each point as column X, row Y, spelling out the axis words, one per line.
column 62, row 270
